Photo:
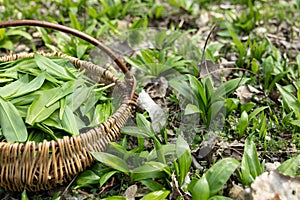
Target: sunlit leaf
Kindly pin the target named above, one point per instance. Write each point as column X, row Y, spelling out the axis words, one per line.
column 87, row 179
column 156, row 195
column 183, row 153
column 111, row 161
column 104, row 177
column 69, row 122
column 291, row 166
column 146, row 172
column 250, row 167
column 13, row 127
column 219, row 174
column 52, row 68
column 38, row 111
column 200, row 189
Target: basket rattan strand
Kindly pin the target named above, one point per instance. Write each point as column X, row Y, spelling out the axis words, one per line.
column 42, row 166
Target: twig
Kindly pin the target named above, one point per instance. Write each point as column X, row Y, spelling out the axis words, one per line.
column 85, row 193
column 204, row 49
column 107, row 186
column 230, row 68
column 68, row 186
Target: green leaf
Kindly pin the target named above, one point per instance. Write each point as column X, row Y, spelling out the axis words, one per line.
column 183, row 153
column 219, row 174
column 104, row 177
column 46, row 64
column 13, row 127
column 295, row 122
column 115, row 198
column 136, row 131
column 243, row 123
column 69, row 122
column 2, row 33
column 256, row 111
column 24, row 195
column 229, row 87
column 87, row 179
column 250, row 167
column 38, row 111
column 200, row 190
column 74, row 22
column 146, row 172
column 64, row 90
column 102, row 112
column 290, row 102
column 16, row 32
column 10, row 89
column 191, row 109
column 254, row 65
column 111, row 161
column 45, row 36
column 237, row 41
column 152, row 185
column 78, row 97
column 180, row 85
column 167, row 150
column 219, row 198
column 32, row 86
column 142, row 122
column 161, row 166
column 81, row 50
column 291, row 166
column 156, row 195
column 7, row 44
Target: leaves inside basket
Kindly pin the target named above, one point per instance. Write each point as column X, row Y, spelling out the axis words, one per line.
column 47, row 98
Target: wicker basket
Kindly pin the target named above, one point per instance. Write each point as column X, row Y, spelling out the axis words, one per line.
column 42, row 166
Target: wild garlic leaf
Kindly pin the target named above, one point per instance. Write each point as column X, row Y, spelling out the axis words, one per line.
column 21, row 65
column 78, row 97
column 12, row 75
column 25, row 99
column 53, row 121
column 38, row 111
column 69, row 122
column 63, row 104
column 101, row 113
column 33, row 85
column 52, row 68
column 12, row 125
column 5, row 80
column 8, row 90
column 64, row 90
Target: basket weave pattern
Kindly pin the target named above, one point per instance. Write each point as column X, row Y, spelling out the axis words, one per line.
column 42, row 166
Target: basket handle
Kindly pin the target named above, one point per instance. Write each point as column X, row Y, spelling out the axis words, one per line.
column 95, row 42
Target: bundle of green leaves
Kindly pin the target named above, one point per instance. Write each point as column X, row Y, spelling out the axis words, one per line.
column 48, row 98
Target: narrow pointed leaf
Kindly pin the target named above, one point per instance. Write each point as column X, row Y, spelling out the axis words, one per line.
column 201, row 189
column 156, row 195
column 64, row 90
column 33, row 85
column 38, row 111
column 111, row 161
column 52, row 68
column 69, row 122
column 219, row 174
column 13, row 127
column 10, row 89
column 183, row 153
